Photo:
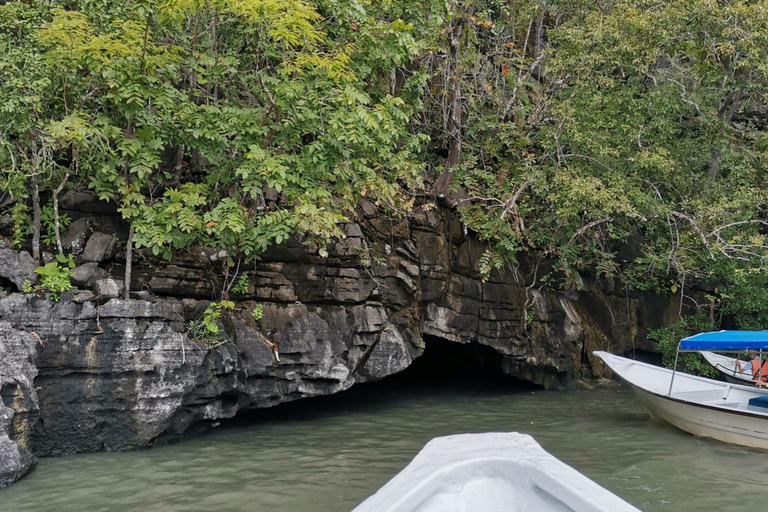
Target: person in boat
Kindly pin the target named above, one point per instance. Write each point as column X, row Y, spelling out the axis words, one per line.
column 758, row 368
column 754, row 362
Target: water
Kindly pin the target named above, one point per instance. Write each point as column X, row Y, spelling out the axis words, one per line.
column 329, row 454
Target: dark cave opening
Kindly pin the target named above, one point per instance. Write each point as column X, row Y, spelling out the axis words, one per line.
column 445, row 368
column 449, row 362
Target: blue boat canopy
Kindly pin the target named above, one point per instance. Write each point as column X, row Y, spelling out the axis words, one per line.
column 726, row 340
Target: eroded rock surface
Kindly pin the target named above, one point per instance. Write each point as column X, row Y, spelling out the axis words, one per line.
column 119, row 375
column 18, row 403
column 16, row 267
column 125, row 375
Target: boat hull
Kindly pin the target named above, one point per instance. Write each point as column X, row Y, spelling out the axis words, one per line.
column 704, row 407
column 700, row 420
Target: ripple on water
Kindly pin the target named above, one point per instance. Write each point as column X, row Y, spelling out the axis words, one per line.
column 328, row 455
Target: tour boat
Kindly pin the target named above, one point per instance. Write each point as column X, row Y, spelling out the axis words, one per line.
column 495, row 472
column 728, row 412
column 726, row 366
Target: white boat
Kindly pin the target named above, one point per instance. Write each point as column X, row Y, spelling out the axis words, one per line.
column 732, row 413
column 727, row 368
column 495, row 472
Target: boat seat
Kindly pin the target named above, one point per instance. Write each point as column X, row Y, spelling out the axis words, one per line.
column 759, row 401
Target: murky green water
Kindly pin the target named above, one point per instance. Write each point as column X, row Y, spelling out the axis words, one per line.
column 329, row 454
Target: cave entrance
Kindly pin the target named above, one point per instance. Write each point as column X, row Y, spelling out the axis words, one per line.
column 445, row 369
column 445, row 361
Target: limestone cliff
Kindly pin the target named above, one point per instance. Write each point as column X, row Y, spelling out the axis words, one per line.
column 91, row 373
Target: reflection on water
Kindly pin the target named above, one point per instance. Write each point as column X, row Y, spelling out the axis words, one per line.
column 329, row 454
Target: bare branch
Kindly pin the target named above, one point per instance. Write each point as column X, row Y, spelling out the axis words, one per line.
column 684, row 94
column 698, row 230
column 583, row 229
column 510, row 203
column 739, row 223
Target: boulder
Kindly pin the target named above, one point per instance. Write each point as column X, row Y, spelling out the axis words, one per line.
column 109, row 288
column 16, row 267
column 74, row 239
column 86, row 275
column 99, row 247
column 143, row 295
column 86, row 201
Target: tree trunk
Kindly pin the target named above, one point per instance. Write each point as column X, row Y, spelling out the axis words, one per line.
column 714, row 163
column 56, row 225
column 36, row 226
column 35, row 205
column 128, row 258
column 454, row 111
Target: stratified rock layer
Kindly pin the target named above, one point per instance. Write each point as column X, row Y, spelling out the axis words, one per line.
column 124, row 374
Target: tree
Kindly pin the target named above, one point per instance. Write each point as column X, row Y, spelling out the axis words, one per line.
column 234, row 124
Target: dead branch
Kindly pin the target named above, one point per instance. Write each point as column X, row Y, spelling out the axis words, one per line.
column 698, row 230
column 510, row 203
column 587, row 227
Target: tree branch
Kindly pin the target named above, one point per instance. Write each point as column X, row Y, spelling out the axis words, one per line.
column 587, row 227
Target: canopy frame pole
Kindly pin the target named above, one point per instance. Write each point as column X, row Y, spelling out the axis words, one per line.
column 674, row 370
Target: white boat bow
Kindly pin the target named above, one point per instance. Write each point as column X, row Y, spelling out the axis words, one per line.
column 496, row 472
column 729, row 412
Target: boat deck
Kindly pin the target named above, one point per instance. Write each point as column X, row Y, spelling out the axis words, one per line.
column 726, row 397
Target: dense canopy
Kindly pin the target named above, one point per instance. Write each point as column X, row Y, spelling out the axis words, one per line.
column 623, row 139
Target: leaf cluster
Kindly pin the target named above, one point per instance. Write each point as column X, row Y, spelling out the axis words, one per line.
column 55, row 277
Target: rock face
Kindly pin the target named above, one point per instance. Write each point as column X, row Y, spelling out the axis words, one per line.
column 18, row 403
column 119, row 375
column 16, row 267
column 87, row 274
column 99, row 247
column 124, row 375
column 109, row 288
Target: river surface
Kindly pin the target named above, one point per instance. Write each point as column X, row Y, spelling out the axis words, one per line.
column 329, row 454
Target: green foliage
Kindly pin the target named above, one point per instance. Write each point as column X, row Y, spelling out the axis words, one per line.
column 199, row 333
column 530, row 314
column 624, row 120
column 241, row 286
column 55, row 276
column 213, row 313
column 22, row 224
column 669, row 337
column 625, row 140
column 26, row 286
column 234, row 123
column 489, row 261
column 742, row 294
column 258, row 312
column 206, row 330
column 48, row 235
